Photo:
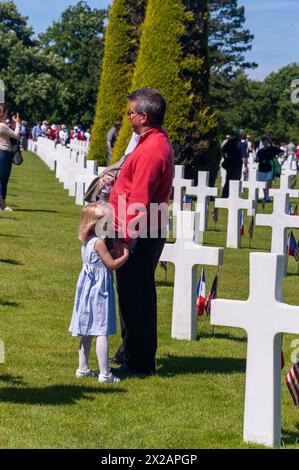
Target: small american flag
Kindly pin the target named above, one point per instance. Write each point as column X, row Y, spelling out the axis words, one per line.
column 292, row 381
column 212, row 295
column 242, row 231
column 251, row 228
column 215, row 214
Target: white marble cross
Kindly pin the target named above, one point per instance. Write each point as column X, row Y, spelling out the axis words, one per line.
column 234, row 203
column 279, row 221
column 186, row 254
column 253, row 186
column 203, row 192
column 285, row 186
column 264, row 317
column 178, row 184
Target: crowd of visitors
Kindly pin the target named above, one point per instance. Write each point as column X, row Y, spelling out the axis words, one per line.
column 269, row 153
column 61, row 134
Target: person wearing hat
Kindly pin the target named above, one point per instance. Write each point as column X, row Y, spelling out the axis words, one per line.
column 264, row 158
column 235, row 154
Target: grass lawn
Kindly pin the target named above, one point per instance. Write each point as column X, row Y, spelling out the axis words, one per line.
column 197, row 398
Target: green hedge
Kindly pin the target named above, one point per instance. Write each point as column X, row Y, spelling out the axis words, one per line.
column 121, row 46
column 159, row 65
column 173, row 58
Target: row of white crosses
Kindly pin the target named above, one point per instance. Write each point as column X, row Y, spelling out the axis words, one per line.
column 202, row 191
column 263, row 316
column 70, row 165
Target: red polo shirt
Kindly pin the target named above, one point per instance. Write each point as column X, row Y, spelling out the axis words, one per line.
column 145, row 178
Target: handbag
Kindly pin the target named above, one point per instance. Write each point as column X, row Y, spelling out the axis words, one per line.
column 17, row 157
column 93, row 191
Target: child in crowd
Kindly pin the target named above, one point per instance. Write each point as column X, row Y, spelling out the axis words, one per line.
column 94, row 309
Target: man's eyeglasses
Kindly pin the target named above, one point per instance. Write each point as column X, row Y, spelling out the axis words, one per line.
column 130, row 113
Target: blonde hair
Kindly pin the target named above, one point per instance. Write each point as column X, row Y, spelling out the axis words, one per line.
column 90, row 215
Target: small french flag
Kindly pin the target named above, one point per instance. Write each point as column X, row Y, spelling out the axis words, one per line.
column 201, row 294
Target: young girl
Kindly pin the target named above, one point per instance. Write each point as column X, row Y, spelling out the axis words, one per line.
column 94, row 309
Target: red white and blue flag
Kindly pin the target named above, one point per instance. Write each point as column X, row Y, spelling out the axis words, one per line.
column 242, row 230
column 201, row 294
column 212, row 295
column 215, row 214
column 292, row 381
column 293, row 249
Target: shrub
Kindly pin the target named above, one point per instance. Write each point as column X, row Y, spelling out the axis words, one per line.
column 121, row 45
column 173, row 58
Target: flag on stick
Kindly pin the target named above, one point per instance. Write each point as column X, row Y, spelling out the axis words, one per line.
column 163, row 265
column 212, row 295
column 251, row 228
column 215, row 214
column 293, row 249
column 291, row 209
column 201, row 294
column 242, row 231
column 292, row 381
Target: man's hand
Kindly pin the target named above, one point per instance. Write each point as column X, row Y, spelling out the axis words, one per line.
column 119, row 249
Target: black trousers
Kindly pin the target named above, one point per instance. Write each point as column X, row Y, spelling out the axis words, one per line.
column 5, row 170
column 138, row 305
column 233, row 174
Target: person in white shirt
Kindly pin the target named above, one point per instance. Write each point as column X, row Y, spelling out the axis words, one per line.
column 6, row 134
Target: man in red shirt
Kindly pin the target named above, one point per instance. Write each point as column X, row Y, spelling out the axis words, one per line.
column 145, row 182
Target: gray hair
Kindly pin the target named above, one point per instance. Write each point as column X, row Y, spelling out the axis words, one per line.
column 150, row 102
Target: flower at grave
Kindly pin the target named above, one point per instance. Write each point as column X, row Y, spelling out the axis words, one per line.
column 292, row 381
column 212, row 295
column 201, row 294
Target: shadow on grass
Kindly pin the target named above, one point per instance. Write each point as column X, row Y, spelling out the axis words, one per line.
column 8, row 235
column 55, row 395
column 164, row 284
column 37, row 210
column 6, row 303
column 239, row 339
column 11, row 379
column 290, row 437
column 174, row 365
column 11, row 261
column 9, row 218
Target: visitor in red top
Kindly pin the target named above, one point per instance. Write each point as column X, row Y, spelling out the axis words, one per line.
column 145, row 180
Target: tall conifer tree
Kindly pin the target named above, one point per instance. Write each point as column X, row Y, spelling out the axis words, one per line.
column 173, row 58
column 121, row 46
